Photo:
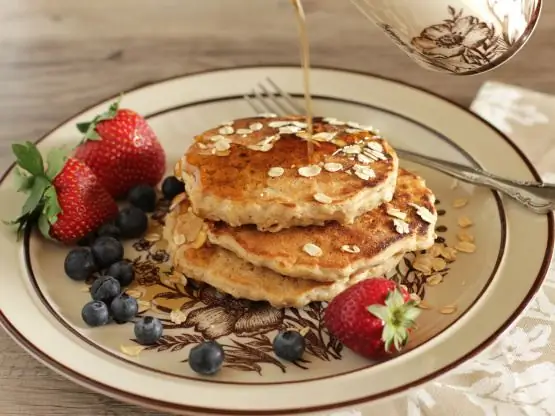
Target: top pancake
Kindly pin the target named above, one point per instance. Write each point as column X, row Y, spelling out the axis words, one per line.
column 254, row 171
column 343, row 250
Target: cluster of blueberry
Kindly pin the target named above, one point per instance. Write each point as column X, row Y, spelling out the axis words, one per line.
column 101, row 254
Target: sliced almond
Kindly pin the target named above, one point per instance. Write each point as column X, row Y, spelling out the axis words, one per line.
column 424, row 305
column 256, row 126
column 435, row 250
column 278, row 124
column 299, row 124
column 177, row 316
column 415, row 298
column 333, row 167
column 267, row 115
column 310, row 171
column 177, row 201
column 353, row 249
column 434, row 279
column 85, row 289
column 244, row 131
column 376, row 146
column 131, row 350
column 449, row 253
column 362, row 158
column 438, row 264
column 143, row 305
column 424, row 213
column 397, row 213
column 464, row 222
column 464, row 235
column 134, row 293
column 179, row 239
column 199, row 240
column 448, row 310
column 202, row 146
column 226, row 130
column 289, row 130
column 312, row 250
column 353, row 124
column 276, row 172
column 375, row 154
column 401, row 226
column 304, row 331
column 364, row 172
column 153, row 237
column 352, row 149
column 227, row 123
column 465, row 247
column 460, row 203
column 323, row 198
column 217, row 138
column 324, row 136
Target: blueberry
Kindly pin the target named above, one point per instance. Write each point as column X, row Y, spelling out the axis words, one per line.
column 95, row 313
column 80, row 264
column 107, row 251
column 206, row 358
column 132, row 222
column 289, row 345
column 143, row 197
column 109, row 230
column 123, row 272
column 87, row 240
column 124, row 308
column 171, row 187
column 148, row 330
column 105, row 289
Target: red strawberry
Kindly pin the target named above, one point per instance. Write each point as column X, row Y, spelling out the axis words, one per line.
column 122, row 150
column 66, row 199
column 373, row 318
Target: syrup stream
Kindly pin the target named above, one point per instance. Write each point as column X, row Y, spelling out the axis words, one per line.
column 305, row 60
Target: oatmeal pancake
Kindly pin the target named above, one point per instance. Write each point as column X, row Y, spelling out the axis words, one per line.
column 256, row 171
column 228, row 273
column 334, row 252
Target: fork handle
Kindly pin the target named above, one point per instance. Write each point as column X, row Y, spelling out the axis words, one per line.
column 538, row 197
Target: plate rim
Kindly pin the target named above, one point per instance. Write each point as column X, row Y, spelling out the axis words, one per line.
column 173, row 407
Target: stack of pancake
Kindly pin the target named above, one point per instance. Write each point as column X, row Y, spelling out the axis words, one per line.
column 264, row 220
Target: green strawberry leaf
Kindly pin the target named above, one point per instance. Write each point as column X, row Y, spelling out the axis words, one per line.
column 29, row 158
column 36, row 195
column 51, row 206
column 22, row 181
column 44, row 226
column 89, row 128
column 83, row 127
column 55, row 161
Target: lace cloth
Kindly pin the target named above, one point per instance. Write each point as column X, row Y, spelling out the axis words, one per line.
column 516, row 376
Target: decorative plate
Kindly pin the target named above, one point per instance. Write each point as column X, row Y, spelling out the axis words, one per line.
column 491, row 257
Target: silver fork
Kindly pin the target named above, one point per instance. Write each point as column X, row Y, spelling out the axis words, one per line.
column 537, row 196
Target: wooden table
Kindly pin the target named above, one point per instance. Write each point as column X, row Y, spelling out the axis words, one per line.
column 57, row 56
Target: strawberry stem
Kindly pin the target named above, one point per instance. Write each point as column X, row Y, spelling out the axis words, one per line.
column 88, row 128
column 398, row 318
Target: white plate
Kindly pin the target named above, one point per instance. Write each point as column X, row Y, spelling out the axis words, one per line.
column 41, row 307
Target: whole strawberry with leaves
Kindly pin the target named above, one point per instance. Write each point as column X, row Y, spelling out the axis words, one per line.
column 64, row 197
column 372, row 318
column 122, row 150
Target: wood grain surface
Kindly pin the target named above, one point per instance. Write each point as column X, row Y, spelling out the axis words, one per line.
column 58, row 56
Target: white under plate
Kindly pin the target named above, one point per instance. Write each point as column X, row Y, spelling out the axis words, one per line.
column 487, row 289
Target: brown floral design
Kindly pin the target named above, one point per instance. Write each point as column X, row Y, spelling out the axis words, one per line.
column 224, row 315
column 244, row 328
column 460, row 44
